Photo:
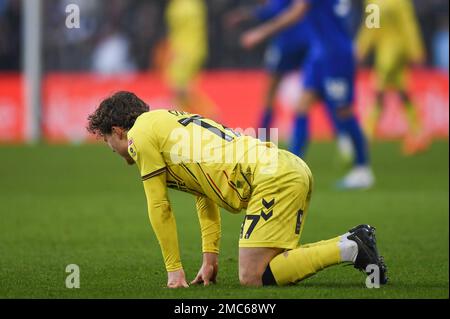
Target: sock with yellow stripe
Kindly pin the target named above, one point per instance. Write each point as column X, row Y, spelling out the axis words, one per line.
column 300, row 263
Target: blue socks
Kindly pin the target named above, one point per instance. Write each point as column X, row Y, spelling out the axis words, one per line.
column 300, row 135
column 265, row 123
column 351, row 127
column 267, row 118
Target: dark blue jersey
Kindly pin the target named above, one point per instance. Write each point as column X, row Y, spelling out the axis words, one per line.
column 297, row 35
column 329, row 27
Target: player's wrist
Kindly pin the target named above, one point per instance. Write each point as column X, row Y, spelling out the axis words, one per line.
column 212, row 250
column 176, row 279
column 211, row 246
column 176, row 275
column 210, row 258
column 174, row 268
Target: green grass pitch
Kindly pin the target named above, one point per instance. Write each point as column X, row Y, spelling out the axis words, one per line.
column 81, row 204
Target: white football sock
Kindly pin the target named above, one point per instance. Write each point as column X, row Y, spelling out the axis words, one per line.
column 344, row 237
column 348, row 249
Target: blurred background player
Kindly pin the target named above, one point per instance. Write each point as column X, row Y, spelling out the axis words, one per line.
column 329, row 75
column 286, row 52
column 187, row 52
column 395, row 43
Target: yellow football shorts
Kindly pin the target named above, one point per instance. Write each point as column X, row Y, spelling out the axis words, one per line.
column 278, row 207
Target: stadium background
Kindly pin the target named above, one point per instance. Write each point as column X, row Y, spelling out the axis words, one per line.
column 71, row 203
column 123, row 38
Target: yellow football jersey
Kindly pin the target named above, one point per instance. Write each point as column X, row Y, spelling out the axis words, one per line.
column 222, row 168
column 199, row 156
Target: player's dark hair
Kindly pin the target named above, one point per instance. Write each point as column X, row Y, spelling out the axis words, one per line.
column 120, row 109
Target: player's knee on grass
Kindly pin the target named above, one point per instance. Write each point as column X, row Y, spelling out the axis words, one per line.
column 251, row 271
column 248, row 278
column 253, row 263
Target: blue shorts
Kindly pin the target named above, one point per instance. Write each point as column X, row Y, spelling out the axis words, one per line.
column 332, row 78
column 280, row 59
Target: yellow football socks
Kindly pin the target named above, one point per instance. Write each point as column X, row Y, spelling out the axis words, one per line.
column 302, row 262
column 322, row 242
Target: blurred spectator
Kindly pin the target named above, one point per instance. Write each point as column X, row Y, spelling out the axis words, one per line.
column 111, row 54
column 10, row 34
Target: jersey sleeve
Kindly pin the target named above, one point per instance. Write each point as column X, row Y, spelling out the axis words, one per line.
column 209, row 218
column 163, row 221
column 146, row 152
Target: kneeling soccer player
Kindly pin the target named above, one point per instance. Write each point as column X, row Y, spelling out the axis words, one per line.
column 237, row 172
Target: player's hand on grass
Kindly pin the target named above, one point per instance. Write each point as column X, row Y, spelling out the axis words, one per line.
column 208, row 271
column 176, row 279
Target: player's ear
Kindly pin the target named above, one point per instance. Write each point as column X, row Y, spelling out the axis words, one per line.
column 119, row 131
